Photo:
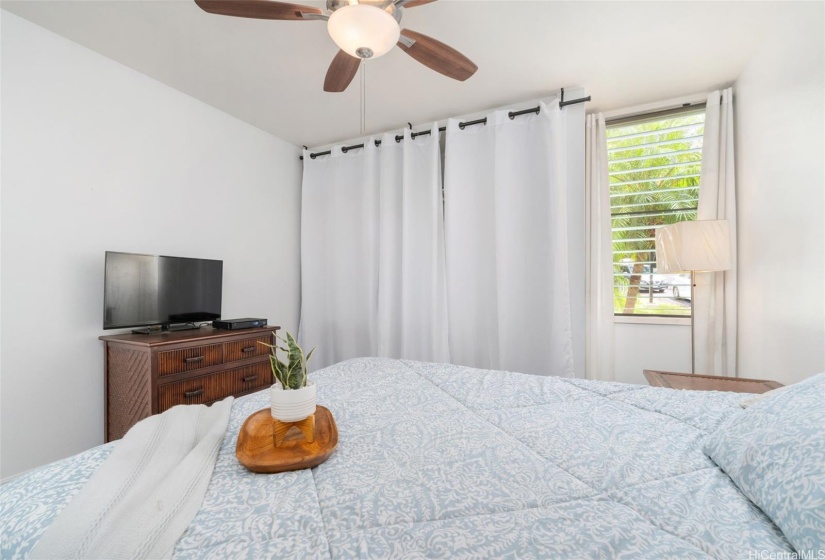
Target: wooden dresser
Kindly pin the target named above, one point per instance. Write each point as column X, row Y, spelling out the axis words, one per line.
column 149, row 373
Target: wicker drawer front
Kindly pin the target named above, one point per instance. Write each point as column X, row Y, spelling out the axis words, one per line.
column 250, row 378
column 216, row 386
column 246, row 348
column 198, row 390
column 190, row 391
column 189, row 359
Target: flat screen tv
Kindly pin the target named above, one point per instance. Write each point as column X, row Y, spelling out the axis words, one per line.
column 148, row 290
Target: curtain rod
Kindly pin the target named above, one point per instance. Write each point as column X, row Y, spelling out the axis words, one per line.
column 461, row 125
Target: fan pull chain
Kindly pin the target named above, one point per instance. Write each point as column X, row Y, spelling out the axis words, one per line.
column 363, row 96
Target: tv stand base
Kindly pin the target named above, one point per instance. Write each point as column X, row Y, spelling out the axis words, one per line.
column 155, row 329
column 181, row 327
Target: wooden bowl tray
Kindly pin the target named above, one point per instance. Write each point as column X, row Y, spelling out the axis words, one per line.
column 256, row 445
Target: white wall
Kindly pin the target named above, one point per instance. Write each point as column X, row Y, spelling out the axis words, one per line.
column 99, row 157
column 641, row 346
column 779, row 103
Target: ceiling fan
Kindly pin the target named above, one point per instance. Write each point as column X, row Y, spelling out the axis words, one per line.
column 361, row 28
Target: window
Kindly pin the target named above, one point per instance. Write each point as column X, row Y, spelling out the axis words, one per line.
column 654, row 164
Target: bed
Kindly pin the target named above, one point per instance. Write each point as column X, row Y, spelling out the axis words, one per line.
column 444, row 461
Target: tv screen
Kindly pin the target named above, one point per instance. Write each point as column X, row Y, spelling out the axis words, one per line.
column 144, row 290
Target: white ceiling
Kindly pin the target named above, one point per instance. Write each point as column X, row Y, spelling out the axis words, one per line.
column 270, row 73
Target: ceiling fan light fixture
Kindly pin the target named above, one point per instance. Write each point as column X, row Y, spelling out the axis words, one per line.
column 363, row 31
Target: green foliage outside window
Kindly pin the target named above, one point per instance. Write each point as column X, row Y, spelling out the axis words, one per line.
column 654, row 168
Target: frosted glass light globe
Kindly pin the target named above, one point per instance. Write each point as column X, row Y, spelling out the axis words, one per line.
column 363, row 31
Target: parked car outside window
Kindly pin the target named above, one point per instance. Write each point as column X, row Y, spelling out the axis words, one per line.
column 680, row 286
column 660, row 282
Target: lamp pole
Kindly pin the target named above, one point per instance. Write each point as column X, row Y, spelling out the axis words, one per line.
column 692, row 341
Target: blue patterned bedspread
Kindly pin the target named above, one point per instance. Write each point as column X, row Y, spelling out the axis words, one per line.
column 443, row 461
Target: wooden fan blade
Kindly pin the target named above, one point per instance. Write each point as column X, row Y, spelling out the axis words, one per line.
column 438, row 56
column 258, row 9
column 341, row 72
column 414, row 3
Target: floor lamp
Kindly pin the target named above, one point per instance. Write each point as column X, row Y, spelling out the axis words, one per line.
column 697, row 246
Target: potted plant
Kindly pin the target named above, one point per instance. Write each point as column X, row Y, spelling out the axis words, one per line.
column 292, row 396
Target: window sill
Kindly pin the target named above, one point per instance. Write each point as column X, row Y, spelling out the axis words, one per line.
column 651, row 320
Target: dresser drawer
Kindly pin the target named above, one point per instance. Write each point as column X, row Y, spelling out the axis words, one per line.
column 189, row 359
column 251, row 378
column 213, row 387
column 246, row 348
column 197, row 390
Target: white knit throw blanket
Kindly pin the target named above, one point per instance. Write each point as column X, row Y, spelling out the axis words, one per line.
column 143, row 497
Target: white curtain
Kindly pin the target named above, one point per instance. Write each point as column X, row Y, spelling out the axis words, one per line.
column 412, row 289
column 372, row 252
column 339, row 249
column 714, row 304
column 599, row 339
column 506, row 238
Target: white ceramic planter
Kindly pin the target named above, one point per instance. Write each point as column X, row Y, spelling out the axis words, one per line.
column 293, row 405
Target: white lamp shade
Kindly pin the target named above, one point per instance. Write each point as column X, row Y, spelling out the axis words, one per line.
column 361, row 26
column 702, row 245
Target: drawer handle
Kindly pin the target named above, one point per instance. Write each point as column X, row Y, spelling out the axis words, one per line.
column 249, row 378
column 195, row 393
column 193, row 360
column 248, row 349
